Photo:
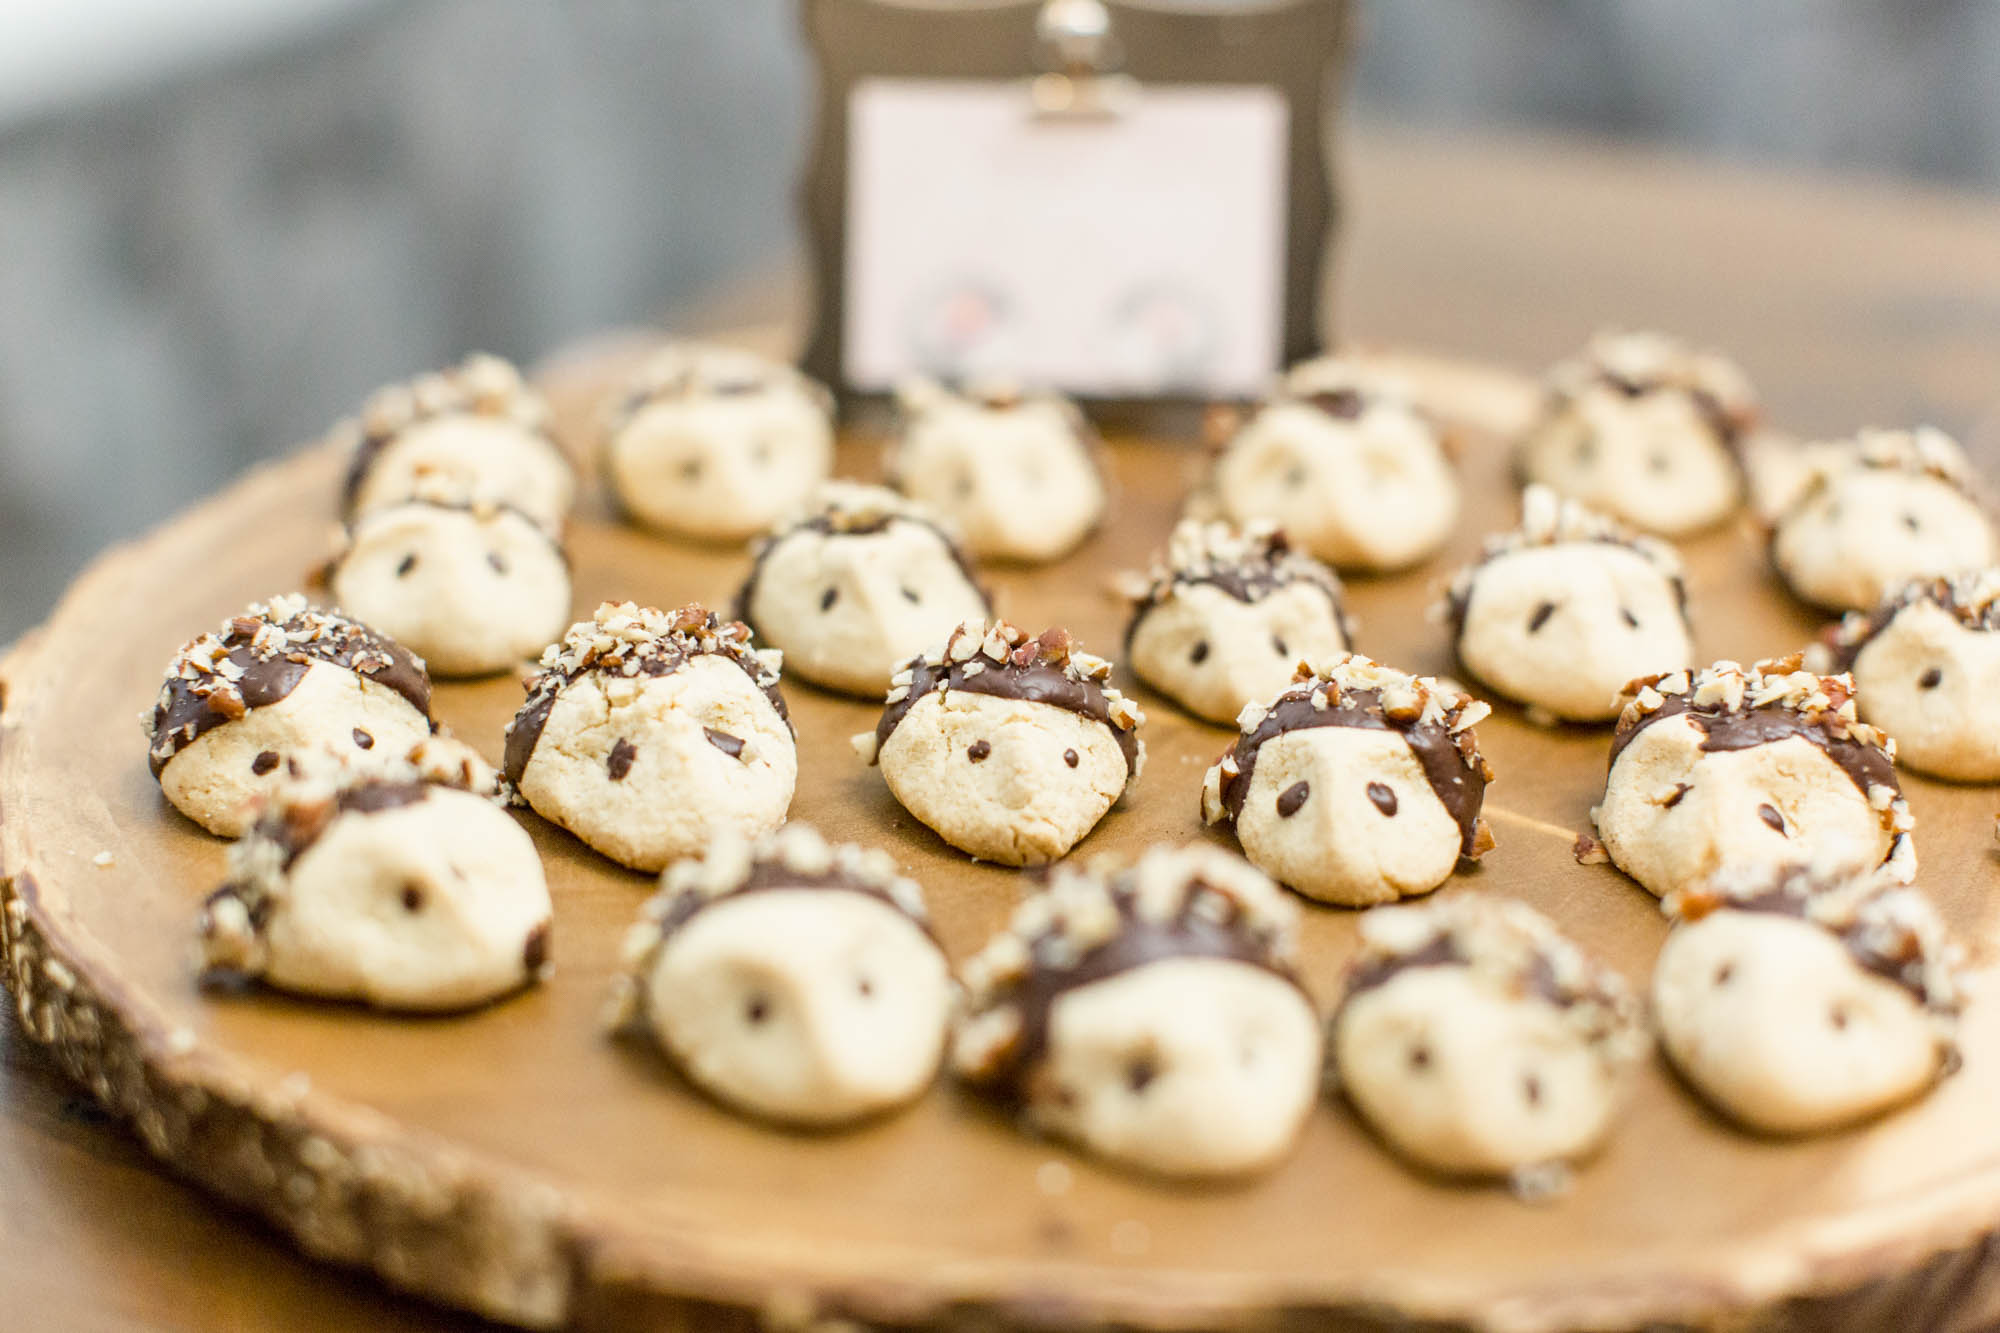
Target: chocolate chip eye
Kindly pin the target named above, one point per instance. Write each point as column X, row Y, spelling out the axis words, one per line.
column 1681, row 789
column 1531, row 1090
column 413, row 897
column 408, row 563
column 362, row 740
column 1291, row 798
column 1724, row 973
column 1384, row 797
column 1630, row 619
column 1420, row 1057
column 865, row 987
column 978, row 750
column 962, row 488
column 494, row 559
column 691, row 470
column 619, row 762
column 265, row 762
column 757, row 1009
column 1295, row 477
column 912, row 596
column 1769, row 814
column 1278, row 643
column 1070, row 757
column 1199, row 653
column 1657, row 463
column 1838, row 1017
column 1931, row 679
column 1541, row 617
column 1910, row 522
column 761, row 454
column 828, row 598
column 1586, row 451
column 1140, row 1073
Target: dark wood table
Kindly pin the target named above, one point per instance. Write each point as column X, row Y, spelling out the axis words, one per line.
column 1851, row 303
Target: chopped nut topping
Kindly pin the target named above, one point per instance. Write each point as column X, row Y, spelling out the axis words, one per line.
column 1549, row 519
column 683, row 371
column 1973, row 599
column 1640, row 362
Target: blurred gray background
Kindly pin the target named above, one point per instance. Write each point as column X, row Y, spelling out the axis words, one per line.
column 223, row 221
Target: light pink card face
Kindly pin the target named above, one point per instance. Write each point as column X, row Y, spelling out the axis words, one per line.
column 1127, row 256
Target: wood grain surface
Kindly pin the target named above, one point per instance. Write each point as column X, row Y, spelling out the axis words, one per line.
column 1872, row 308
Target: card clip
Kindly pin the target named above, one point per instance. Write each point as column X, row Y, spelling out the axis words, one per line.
column 1083, row 83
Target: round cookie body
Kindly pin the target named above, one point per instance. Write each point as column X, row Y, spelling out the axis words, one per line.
column 1379, row 498
column 470, row 593
column 436, row 905
column 849, row 609
column 1021, row 802
column 807, row 1006
column 1346, row 815
column 1868, row 531
column 1465, row 1083
column 1771, row 1019
column 1565, row 627
column 1018, row 483
column 720, row 467
column 1673, row 814
column 1934, row 685
column 1212, row 653
column 1183, row 1067
column 482, row 457
column 218, row 777
column 1652, row 460
column 630, row 766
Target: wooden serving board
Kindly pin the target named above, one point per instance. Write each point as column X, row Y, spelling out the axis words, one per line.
column 515, row 1162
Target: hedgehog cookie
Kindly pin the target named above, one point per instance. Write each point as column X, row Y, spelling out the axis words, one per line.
column 1734, row 767
column 477, row 429
column 1563, row 612
column 473, row 586
column 1346, row 465
column 1647, row 429
column 1227, row 615
column 1149, row 1014
column 1009, row 747
column 1016, row 475
column 715, row 443
column 1478, row 1041
column 381, row 887
column 1926, row 668
column 1889, row 507
column 1356, row 785
column 278, row 682
column 856, row 586
column 791, row 979
column 1799, row 998
column 648, row 734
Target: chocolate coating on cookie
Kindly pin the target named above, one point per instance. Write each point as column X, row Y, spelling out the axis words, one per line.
column 1972, row 599
column 1637, row 364
column 1247, row 564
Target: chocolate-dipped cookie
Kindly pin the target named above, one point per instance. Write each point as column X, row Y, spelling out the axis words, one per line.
column 1227, row 615
column 791, row 979
column 649, row 733
column 1358, row 784
column 856, row 585
column 1010, row 747
column 1736, row 768
column 278, row 682
column 715, row 443
column 1561, row 612
column 1149, row 1014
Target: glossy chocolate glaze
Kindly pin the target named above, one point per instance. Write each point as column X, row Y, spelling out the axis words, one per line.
column 1036, row 682
column 825, row 526
column 765, row 876
column 1866, row 765
column 1781, row 901
column 1846, row 647
column 1458, row 601
column 1247, row 583
column 368, row 452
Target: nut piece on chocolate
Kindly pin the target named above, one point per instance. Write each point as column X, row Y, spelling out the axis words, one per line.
column 1149, row 1014
column 1878, row 511
column 381, row 887
column 1926, row 668
column 1802, row 997
column 1009, row 746
column 790, row 979
column 1647, row 429
column 1480, row 1042
column 280, row 682
column 714, row 443
column 1740, row 768
column 1015, row 474
column 1227, row 615
column 1358, row 784
column 650, row 733
column 472, row 586
column 856, row 585
column 477, row 428
column 1342, row 459
column 1561, row 612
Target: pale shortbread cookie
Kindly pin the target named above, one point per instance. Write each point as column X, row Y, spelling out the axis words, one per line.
column 856, row 586
column 648, row 734
column 1016, row 475
column 1647, row 429
column 1878, row 511
column 1356, row 785
column 1149, row 1014
column 1731, row 768
column 716, row 443
column 1345, row 463
column 1478, row 1041
column 1562, row 612
column 279, row 682
column 1805, row 997
column 1010, row 747
column 1926, row 668
column 477, row 429
column 1226, row 615
column 791, row 979
column 384, row 888
column 470, row 586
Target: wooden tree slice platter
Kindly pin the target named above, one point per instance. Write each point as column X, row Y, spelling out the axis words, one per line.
column 516, row 1162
